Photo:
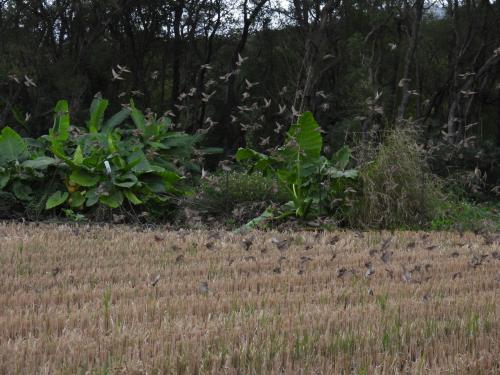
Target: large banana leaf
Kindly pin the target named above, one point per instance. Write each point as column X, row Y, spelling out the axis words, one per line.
column 113, row 200
column 84, row 178
column 41, row 162
column 56, row 199
column 137, row 118
column 12, row 147
column 4, row 178
column 97, row 109
column 306, row 135
column 115, row 120
column 60, row 130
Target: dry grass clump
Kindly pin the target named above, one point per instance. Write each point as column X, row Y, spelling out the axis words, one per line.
column 117, row 300
column 397, row 188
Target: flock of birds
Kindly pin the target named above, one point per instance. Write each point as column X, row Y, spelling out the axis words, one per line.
column 249, row 114
column 381, row 254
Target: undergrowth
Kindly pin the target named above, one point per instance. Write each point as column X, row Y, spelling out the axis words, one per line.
column 234, row 195
column 467, row 216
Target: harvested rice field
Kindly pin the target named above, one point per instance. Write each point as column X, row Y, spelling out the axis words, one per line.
column 113, row 300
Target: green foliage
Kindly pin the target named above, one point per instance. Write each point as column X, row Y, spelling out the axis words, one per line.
column 301, row 170
column 238, row 195
column 12, row 147
column 97, row 109
column 111, row 164
column 465, row 216
column 24, row 173
column 115, row 161
column 60, row 129
column 56, row 199
column 137, row 160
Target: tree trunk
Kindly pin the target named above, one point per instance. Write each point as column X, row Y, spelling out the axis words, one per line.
column 410, row 56
column 177, row 54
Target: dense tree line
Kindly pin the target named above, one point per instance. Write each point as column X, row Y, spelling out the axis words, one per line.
column 242, row 70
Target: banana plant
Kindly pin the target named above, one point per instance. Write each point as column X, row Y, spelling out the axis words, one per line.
column 21, row 169
column 128, row 157
column 300, row 168
column 106, row 165
column 172, row 150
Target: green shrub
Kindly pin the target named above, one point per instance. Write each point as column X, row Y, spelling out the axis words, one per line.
column 396, row 188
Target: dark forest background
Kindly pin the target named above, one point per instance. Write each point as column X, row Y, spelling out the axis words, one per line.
column 241, row 70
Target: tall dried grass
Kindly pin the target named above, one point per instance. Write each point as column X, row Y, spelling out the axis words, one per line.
column 398, row 189
column 119, row 300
